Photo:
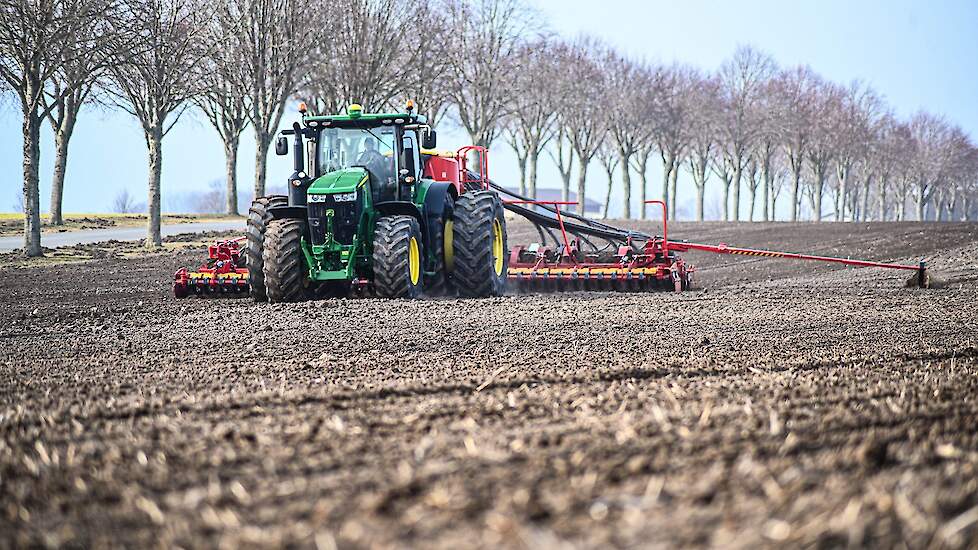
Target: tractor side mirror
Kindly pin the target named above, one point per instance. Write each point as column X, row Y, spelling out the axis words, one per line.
column 281, row 146
column 430, row 140
column 407, row 150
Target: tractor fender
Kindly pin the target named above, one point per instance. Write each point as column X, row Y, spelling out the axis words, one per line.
column 288, row 212
column 399, row 208
column 434, row 199
column 434, row 208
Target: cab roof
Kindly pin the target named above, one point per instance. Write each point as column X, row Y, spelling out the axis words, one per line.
column 365, row 119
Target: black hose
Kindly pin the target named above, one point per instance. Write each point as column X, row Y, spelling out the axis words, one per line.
column 587, row 226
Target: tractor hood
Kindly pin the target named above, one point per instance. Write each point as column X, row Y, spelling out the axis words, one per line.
column 340, row 181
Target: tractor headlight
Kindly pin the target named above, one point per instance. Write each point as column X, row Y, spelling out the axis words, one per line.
column 316, row 198
column 345, row 197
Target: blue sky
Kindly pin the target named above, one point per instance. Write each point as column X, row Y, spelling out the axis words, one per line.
column 917, row 54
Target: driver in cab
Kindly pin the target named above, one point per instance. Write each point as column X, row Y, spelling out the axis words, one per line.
column 370, row 153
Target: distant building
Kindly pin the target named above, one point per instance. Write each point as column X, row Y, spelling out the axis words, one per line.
column 591, row 207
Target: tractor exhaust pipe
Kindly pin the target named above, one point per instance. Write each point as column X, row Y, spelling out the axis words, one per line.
column 299, row 160
column 299, row 182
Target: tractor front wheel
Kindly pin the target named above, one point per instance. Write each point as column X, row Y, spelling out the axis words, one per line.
column 398, row 257
column 258, row 218
column 479, row 256
column 285, row 271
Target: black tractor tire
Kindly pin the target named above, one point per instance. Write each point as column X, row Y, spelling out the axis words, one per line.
column 394, row 237
column 286, row 275
column 480, row 262
column 258, row 218
column 439, row 283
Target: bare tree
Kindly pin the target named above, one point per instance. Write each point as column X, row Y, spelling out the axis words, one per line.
column 823, row 146
column 71, row 87
column 18, row 205
column 610, row 159
column 375, row 52
column 585, row 118
column 742, row 82
column 487, row 37
column 123, row 203
column 793, row 94
column 882, row 160
column 426, row 84
column 275, row 40
column 224, row 94
column 533, row 123
column 857, row 119
column 932, row 137
column 703, row 117
column 562, row 153
column 765, row 149
column 37, row 39
column 671, row 129
column 155, row 83
column 629, row 112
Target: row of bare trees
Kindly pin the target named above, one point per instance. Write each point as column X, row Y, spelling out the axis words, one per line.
column 764, row 134
column 237, row 61
column 761, row 132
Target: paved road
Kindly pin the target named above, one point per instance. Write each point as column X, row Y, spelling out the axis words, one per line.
column 70, row 238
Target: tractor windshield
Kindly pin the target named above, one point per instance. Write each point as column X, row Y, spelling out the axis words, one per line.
column 371, row 148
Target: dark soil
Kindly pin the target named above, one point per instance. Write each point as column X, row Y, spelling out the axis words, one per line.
column 786, row 404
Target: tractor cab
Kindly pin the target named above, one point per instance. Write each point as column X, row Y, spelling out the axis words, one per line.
column 386, row 146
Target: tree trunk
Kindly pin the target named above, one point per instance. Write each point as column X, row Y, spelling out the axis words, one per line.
column 753, row 199
column 32, row 198
column 673, row 186
column 881, row 204
column 61, row 138
column 726, row 199
column 534, row 160
column 607, row 198
column 766, row 191
column 795, row 188
column 521, row 163
column 231, row 176
column 262, row 142
column 840, row 198
column 581, row 181
column 154, row 142
column 700, row 198
column 901, row 213
column 738, row 171
column 818, row 192
column 643, row 182
column 626, row 182
column 922, row 203
column 667, row 167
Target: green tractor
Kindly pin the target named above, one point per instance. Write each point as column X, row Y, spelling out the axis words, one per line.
column 370, row 205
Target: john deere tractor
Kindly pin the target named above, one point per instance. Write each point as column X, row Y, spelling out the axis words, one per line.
column 367, row 209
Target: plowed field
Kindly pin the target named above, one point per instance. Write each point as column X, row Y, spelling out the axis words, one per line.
column 786, row 404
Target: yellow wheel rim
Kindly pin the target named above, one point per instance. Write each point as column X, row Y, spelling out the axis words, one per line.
column 414, row 261
column 497, row 247
column 449, row 246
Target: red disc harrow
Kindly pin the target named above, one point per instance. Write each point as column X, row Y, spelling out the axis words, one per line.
column 223, row 272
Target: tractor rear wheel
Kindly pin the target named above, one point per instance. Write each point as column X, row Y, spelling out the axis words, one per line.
column 398, row 257
column 258, row 218
column 479, row 253
column 440, row 284
column 285, row 271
